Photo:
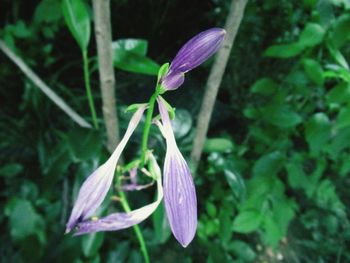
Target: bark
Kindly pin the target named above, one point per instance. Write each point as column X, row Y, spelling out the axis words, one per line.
column 103, row 34
column 215, row 77
column 39, row 83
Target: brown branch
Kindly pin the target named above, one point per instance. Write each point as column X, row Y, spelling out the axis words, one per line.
column 30, row 74
column 214, row 80
column 103, row 33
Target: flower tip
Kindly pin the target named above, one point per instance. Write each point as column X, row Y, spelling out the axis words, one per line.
column 67, row 231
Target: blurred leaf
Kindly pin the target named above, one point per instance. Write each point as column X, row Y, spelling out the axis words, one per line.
column 317, row 131
column 84, row 144
column 314, row 70
column 341, row 34
column 24, row 220
column 343, row 118
column 296, row 175
column 268, row 164
column 135, row 257
column 137, row 46
column 312, row 35
column 272, row 234
column 119, row 254
column 225, row 220
column 77, row 18
column 182, row 124
column 220, row 145
column 11, row 169
column 48, row 11
column 247, row 221
column 339, row 94
column 338, row 56
column 265, row 86
column 211, row 209
column 91, row 244
column 284, row 50
column 281, row 116
column 340, row 141
column 236, row 184
column 242, row 250
column 160, row 224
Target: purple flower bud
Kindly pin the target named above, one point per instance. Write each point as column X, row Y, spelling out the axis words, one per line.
column 95, row 188
column 192, row 54
column 179, row 190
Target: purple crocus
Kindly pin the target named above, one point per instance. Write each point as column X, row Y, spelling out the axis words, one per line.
column 95, row 188
column 179, row 191
column 191, row 55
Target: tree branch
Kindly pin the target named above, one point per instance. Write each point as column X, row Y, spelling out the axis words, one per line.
column 215, row 77
column 43, row 87
column 103, row 33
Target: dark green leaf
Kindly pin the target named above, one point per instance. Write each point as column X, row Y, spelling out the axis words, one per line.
column 341, row 34
column 269, row 164
column 317, row 131
column 247, row 221
column 314, row 70
column 284, row 50
column 312, row 35
column 91, row 244
column 339, row 94
column 220, row 145
column 281, row 116
column 242, row 250
column 160, row 224
column 343, row 118
column 265, row 86
column 11, row 169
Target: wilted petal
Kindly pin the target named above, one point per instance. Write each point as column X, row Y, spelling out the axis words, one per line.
column 95, row 188
column 179, row 190
column 119, row 221
column 173, row 80
column 198, row 49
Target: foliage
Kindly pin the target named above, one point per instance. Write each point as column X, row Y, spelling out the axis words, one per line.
column 273, row 182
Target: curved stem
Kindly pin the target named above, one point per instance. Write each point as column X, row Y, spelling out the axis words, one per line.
column 147, row 127
column 137, row 229
column 88, row 88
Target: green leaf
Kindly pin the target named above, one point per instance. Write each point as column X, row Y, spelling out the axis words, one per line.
column 265, row 86
column 296, row 175
column 236, row 184
column 11, row 169
column 339, row 94
column 313, row 70
column 269, row 164
column 272, row 234
column 136, row 46
column 343, row 118
column 242, row 250
column 182, row 124
column 134, row 62
column 221, row 145
column 281, row 116
column 312, row 35
column 225, row 223
column 120, row 253
column 160, row 224
column 284, row 50
column 24, row 220
column 247, row 221
column 341, row 33
column 92, row 243
column 211, row 209
column 340, row 141
column 338, row 56
column 77, row 19
column 317, row 131
column 48, row 11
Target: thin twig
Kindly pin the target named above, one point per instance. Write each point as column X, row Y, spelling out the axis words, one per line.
column 103, row 35
column 214, row 80
column 43, row 86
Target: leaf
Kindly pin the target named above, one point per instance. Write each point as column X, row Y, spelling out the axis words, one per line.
column 339, row 94
column 225, row 223
column 77, row 18
column 314, row 71
column 269, row 164
column 48, row 11
column 317, row 132
column 272, row 234
column 265, row 86
column 296, row 175
column 134, row 62
column 281, row 116
column 119, row 254
column 92, row 243
column 11, row 169
column 247, row 221
column 182, row 124
column 220, row 145
column 160, row 224
column 236, row 184
column 343, row 118
column 242, row 250
column 338, row 56
column 312, row 35
column 341, row 34
column 284, row 50
column 136, row 46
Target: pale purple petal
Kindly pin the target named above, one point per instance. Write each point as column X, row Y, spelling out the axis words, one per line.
column 118, row 221
column 198, row 49
column 94, row 190
column 179, row 190
column 173, row 80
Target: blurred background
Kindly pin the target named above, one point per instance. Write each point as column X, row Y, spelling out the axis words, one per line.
column 273, row 181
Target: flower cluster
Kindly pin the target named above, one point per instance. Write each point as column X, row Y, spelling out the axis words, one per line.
column 178, row 188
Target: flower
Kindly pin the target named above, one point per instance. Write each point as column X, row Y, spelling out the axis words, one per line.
column 191, row 55
column 179, row 191
column 118, row 221
column 94, row 190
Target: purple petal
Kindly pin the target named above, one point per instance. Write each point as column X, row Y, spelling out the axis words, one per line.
column 118, row 221
column 179, row 190
column 197, row 50
column 94, row 190
column 173, row 80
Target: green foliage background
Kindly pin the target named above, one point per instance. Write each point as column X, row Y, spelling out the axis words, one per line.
column 273, row 183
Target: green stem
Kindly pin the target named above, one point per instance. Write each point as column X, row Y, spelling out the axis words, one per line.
column 147, row 127
column 137, row 229
column 88, row 88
